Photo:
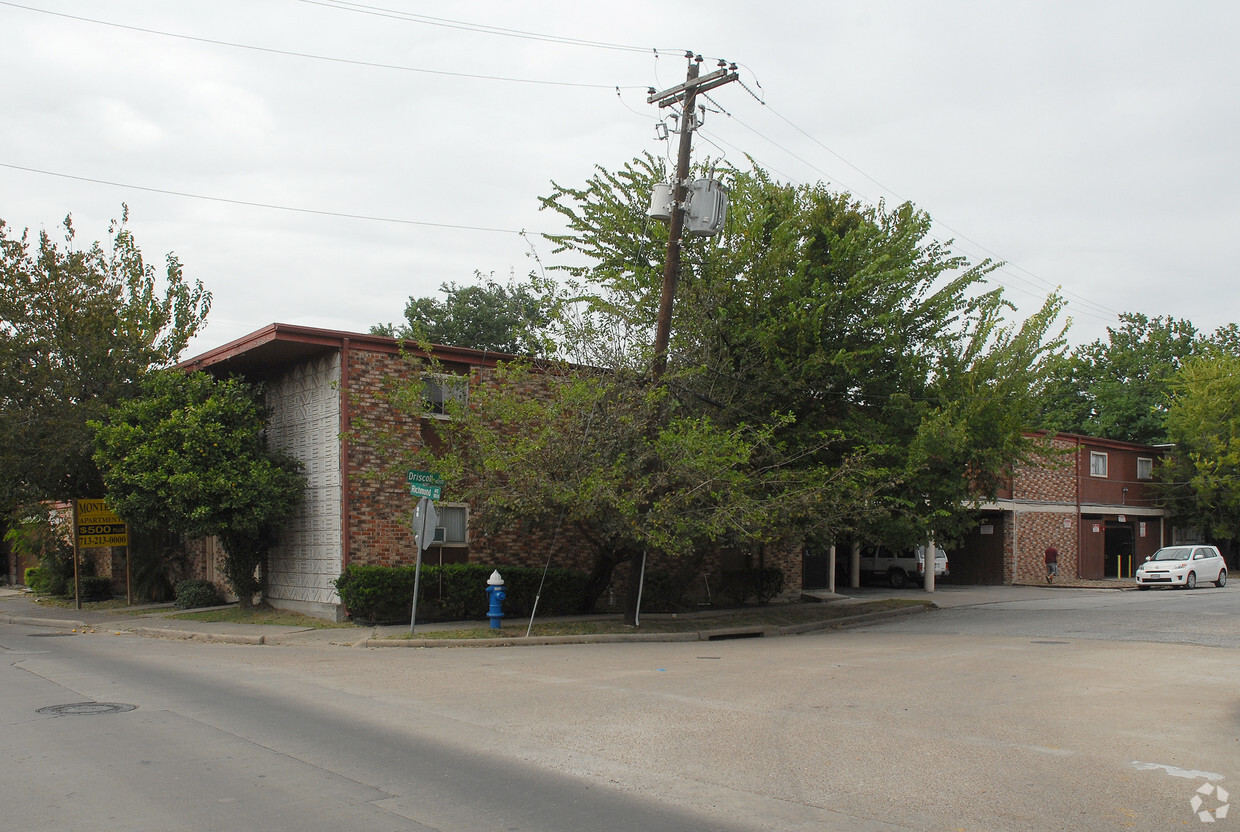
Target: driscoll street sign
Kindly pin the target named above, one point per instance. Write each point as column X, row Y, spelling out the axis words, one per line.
column 425, row 484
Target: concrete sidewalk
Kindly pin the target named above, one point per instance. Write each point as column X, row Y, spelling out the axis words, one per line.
column 19, row 607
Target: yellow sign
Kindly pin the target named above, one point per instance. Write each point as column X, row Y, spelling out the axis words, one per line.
column 98, row 525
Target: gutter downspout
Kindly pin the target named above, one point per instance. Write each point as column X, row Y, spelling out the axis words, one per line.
column 1080, row 523
column 1015, row 544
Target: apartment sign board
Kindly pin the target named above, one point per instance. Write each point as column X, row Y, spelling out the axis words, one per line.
column 98, row 525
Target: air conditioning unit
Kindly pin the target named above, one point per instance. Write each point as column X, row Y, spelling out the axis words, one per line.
column 440, row 535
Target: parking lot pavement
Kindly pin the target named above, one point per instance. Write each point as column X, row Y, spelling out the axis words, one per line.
column 951, row 595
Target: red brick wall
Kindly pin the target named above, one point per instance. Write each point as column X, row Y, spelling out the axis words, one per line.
column 1037, row 530
column 381, row 508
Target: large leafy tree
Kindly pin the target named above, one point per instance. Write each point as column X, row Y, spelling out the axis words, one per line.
column 78, row 329
column 833, row 371
column 487, row 316
column 189, row 456
column 623, row 466
column 1202, row 480
column 1117, row 387
column 828, row 318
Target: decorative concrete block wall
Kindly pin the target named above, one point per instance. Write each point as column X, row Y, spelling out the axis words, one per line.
column 305, row 423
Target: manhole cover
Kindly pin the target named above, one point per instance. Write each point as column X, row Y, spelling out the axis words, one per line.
column 87, row 708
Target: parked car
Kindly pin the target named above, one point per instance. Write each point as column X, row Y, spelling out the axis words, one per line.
column 1184, row 566
column 900, row 568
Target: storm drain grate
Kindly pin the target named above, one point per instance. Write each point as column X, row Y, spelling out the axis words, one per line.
column 730, row 636
column 87, row 708
column 1050, row 642
column 48, row 635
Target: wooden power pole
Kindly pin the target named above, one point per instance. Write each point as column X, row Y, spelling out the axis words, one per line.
column 686, row 93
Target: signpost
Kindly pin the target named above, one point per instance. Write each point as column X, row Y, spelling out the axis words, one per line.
column 427, row 486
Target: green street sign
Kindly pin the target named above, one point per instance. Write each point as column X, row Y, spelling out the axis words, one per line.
column 425, row 484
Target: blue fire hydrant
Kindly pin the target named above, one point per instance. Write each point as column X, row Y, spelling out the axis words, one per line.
column 495, row 589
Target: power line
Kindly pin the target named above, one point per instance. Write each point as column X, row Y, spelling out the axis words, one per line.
column 1003, row 266
column 315, row 57
column 482, row 28
column 344, row 5
column 315, row 211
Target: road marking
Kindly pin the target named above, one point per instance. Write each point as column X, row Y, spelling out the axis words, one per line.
column 1176, row 771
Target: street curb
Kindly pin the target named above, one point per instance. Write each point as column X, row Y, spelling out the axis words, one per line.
column 721, row 634
column 273, row 639
column 186, row 635
column 854, row 620
column 43, row 622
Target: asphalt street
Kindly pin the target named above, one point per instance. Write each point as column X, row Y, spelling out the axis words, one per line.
column 1009, row 709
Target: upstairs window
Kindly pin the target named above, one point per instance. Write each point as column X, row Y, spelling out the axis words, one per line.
column 440, row 391
column 1145, row 468
column 1097, row 464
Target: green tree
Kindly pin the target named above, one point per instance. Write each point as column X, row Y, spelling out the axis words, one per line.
column 78, row 330
column 1117, row 387
column 832, row 371
column 1202, row 480
column 189, row 456
column 843, row 320
column 511, row 319
column 620, row 462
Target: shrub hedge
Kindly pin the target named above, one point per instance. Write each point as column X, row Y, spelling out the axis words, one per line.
column 457, row 592
column 196, row 593
column 93, row 588
column 42, row 581
column 761, row 583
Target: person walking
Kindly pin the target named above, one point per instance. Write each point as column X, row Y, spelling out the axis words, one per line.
column 1052, row 563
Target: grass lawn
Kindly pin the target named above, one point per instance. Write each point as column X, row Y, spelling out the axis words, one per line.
column 261, row 615
column 777, row 615
column 111, row 605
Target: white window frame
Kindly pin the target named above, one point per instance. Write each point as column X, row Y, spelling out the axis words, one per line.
column 441, row 383
column 1145, row 468
column 1096, row 469
column 443, row 508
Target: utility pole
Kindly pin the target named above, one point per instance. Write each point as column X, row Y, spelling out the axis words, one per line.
column 686, row 93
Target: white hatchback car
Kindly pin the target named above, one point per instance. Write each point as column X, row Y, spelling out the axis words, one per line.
column 1184, row 566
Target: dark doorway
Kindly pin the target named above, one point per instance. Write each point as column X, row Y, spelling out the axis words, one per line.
column 1120, row 551
column 979, row 558
column 814, row 569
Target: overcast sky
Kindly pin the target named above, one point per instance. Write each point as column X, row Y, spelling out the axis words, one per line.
column 1091, row 145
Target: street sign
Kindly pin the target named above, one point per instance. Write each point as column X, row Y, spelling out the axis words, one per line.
column 425, row 519
column 425, row 484
column 98, row 525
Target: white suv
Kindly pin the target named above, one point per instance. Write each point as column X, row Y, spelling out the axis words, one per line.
column 901, row 568
column 1184, row 566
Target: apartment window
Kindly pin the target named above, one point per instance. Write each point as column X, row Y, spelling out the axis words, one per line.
column 453, row 525
column 1145, row 468
column 441, row 390
column 1097, row 464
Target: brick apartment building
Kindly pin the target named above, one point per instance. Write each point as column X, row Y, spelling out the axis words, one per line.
column 1092, row 499
column 1087, row 497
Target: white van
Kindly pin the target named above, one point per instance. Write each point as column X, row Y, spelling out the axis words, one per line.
column 901, row 568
